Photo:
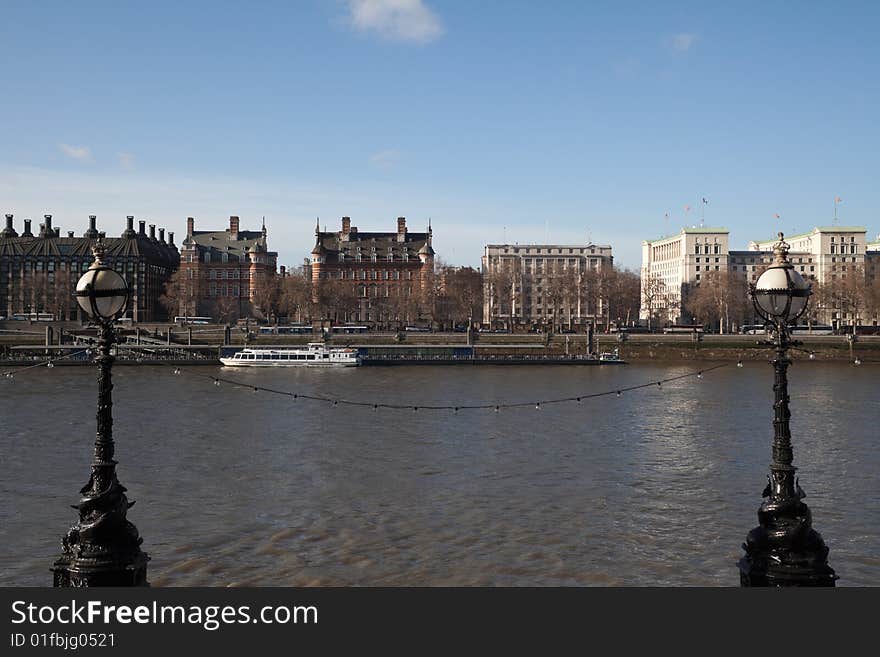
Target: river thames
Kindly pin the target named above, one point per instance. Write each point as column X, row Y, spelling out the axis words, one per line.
column 656, row 487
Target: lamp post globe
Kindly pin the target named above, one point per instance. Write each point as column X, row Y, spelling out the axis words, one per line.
column 784, row 549
column 103, row 547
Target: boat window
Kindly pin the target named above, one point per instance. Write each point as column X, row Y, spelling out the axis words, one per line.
column 251, row 356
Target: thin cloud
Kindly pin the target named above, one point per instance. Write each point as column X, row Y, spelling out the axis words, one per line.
column 80, row 153
column 396, row 20
column 385, row 159
column 126, row 160
column 683, row 42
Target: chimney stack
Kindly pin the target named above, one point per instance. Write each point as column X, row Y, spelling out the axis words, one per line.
column 9, row 231
column 57, row 232
column 70, row 233
column 233, row 226
column 346, row 225
column 142, row 228
column 401, row 229
column 171, row 238
column 153, row 232
column 27, row 229
column 162, row 235
column 283, row 270
column 129, row 228
column 190, row 226
column 92, row 232
column 46, row 228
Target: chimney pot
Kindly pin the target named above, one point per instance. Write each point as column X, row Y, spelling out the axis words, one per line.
column 142, row 227
column 346, row 225
column 401, row 224
column 190, row 226
column 162, row 235
column 70, row 233
column 27, row 229
column 171, row 237
column 57, row 232
column 152, row 231
column 233, row 225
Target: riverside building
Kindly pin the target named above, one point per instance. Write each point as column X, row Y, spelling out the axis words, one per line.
column 673, row 265
column 224, row 271
column 389, row 275
column 39, row 271
column 539, row 285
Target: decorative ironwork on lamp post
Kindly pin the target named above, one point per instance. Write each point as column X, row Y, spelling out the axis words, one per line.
column 784, row 549
column 103, row 547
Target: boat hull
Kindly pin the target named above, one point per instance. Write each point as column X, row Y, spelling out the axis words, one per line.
column 230, row 362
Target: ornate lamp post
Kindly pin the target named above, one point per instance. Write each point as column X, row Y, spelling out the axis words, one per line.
column 103, row 547
column 784, row 549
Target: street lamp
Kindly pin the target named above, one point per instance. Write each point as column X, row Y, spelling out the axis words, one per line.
column 103, row 547
column 784, row 549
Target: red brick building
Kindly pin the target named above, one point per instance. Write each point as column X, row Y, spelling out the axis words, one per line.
column 224, row 270
column 389, row 274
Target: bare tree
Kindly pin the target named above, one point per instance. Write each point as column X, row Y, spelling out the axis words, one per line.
column 180, row 296
column 719, row 298
column 655, row 298
column 266, row 296
column 296, row 296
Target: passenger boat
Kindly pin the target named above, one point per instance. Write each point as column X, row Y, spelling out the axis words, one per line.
column 611, row 357
column 315, row 354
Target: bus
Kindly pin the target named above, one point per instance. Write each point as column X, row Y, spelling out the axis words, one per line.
column 191, row 319
column 34, row 317
column 752, row 329
column 684, row 328
column 285, row 330
column 348, row 328
column 815, row 329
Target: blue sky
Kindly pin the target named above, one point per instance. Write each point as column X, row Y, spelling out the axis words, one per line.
column 522, row 121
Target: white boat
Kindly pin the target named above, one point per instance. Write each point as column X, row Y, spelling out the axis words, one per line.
column 315, row 354
column 611, row 357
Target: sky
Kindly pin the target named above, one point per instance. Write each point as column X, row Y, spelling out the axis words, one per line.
column 500, row 120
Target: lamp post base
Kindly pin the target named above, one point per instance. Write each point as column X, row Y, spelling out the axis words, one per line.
column 83, row 572
column 784, row 550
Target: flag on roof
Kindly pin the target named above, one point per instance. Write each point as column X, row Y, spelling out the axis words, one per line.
column 837, row 199
column 704, row 200
column 776, row 215
column 687, row 208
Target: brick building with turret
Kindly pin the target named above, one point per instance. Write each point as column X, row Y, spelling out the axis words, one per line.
column 224, row 270
column 390, row 274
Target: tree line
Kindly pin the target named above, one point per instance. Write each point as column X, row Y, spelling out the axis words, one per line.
column 721, row 300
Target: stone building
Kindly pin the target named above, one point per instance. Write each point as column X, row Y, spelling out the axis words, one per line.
column 224, row 271
column 390, row 275
column 534, row 285
column 38, row 272
column 671, row 266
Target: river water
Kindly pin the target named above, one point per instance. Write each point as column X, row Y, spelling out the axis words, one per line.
column 656, row 487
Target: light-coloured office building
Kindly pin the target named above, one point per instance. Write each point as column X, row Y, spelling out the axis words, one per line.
column 672, row 264
column 826, row 252
column 536, row 285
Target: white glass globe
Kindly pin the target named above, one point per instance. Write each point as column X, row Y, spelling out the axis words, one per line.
column 108, row 290
column 775, row 287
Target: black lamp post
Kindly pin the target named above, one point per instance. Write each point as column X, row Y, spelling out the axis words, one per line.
column 103, row 547
column 784, row 549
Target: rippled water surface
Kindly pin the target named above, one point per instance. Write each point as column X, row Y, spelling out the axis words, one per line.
column 656, row 487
